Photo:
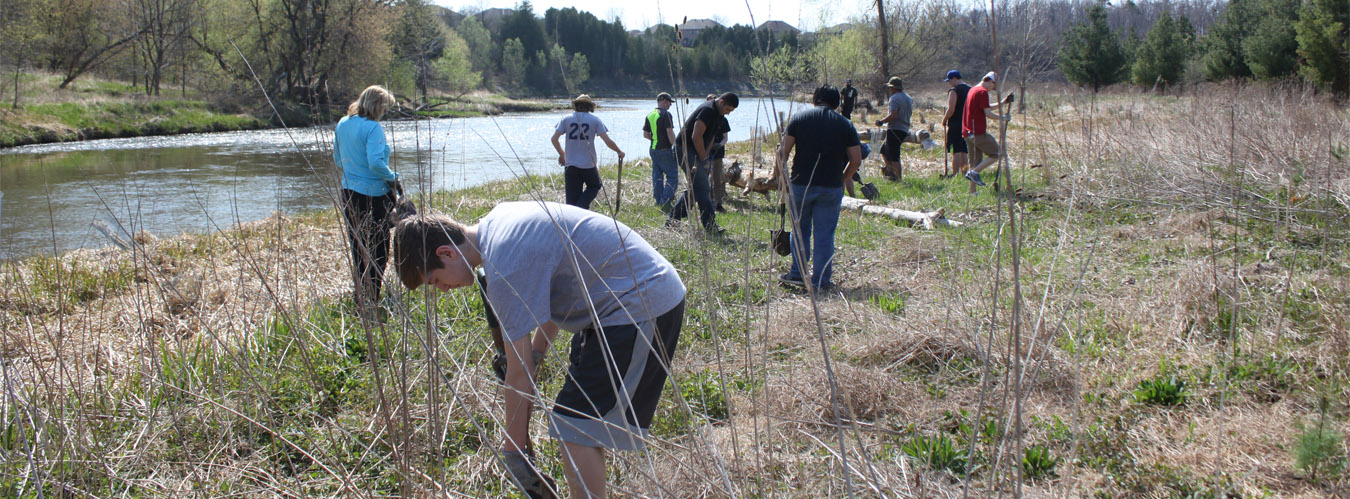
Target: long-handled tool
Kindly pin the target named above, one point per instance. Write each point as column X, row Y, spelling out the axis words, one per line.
column 946, row 150
column 618, row 188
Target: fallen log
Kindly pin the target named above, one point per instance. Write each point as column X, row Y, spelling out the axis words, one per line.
column 924, row 219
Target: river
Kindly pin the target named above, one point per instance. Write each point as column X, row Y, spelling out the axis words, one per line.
column 53, row 195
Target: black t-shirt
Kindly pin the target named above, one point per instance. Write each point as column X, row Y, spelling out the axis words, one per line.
column 960, row 110
column 663, row 121
column 714, row 124
column 822, row 141
column 850, row 95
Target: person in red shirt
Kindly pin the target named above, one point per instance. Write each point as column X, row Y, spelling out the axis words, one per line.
column 978, row 140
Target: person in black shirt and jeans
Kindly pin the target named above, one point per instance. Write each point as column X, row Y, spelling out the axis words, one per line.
column 850, row 96
column 827, row 152
column 693, row 152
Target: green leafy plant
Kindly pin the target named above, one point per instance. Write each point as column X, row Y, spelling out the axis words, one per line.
column 891, row 302
column 1163, row 389
column 1038, row 463
column 939, row 453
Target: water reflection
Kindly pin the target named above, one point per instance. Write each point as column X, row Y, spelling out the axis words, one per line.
column 53, row 193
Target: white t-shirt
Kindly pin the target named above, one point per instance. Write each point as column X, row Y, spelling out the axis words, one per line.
column 548, row 261
column 579, row 129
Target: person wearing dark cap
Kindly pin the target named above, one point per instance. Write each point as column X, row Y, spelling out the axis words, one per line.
column 659, row 128
column 897, row 126
column 848, row 96
column 951, row 119
column 581, row 178
column 693, row 152
column 978, row 139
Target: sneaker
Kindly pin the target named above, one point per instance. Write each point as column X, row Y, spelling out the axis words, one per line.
column 827, row 288
column 715, row 230
column 790, row 280
column 974, row 177
column 721, row 209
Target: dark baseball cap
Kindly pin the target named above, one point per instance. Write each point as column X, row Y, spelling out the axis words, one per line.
column 953, row 74
column 664, row 96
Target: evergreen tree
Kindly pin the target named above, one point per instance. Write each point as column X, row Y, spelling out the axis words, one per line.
column 1161, row 57
column 1090, row 54
column 1323, row 35
column 1268, row 50
column 1223, row 56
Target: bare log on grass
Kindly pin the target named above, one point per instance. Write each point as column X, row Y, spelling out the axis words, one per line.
column 924, row 219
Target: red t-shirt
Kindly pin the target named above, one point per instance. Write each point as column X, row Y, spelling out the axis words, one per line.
column 976, row 102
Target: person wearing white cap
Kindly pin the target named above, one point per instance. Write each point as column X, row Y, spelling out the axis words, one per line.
column 581, row 179
column 978, row 140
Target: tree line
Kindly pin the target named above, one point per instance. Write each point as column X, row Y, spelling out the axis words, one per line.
column 310, row 54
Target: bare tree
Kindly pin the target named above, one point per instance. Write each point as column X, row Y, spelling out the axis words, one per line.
column 18, row 37
column 1030, row 42
column 166, row 25
column 79, row 35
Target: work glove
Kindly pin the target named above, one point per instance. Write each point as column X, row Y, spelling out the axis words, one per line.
column 499, row 363
column 530, row 480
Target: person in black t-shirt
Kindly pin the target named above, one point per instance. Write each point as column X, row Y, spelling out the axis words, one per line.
column 827, row 153
column 849, row 94
column 956, row 108
column 693, row 152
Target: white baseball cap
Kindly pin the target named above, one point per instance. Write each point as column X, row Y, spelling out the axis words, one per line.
column 991, row 76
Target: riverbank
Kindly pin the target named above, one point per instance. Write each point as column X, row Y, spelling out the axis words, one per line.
column 91, row 108
column 1169, row 338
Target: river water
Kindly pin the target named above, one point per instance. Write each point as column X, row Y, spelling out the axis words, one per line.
column 52, row 196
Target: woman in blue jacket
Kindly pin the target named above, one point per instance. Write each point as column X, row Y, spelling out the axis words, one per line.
column 359, row 148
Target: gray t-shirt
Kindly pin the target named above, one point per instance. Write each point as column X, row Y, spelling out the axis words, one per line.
column 903, row 106
column 580, row 130
column 548, row 261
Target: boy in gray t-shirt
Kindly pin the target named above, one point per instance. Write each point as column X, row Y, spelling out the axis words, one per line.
column 581, row 180
column 550, row 266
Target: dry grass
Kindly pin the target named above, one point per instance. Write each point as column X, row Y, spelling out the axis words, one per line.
column 1146, row 252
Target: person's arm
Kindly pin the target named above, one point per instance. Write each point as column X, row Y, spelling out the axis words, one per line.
column 612, row 146
column 562, row 157
column 377, row 154
column 697, row 137
column 670, row 133
column 520, row 377
column 989, row 111
column 951, row 106
column 854, row 161
column 646, row 134
column 890, row 116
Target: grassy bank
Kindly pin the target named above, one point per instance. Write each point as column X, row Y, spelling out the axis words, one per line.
column 98, row 109
column 1175, row 327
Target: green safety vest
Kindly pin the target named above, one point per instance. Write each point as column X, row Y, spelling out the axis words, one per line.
column 652, row 119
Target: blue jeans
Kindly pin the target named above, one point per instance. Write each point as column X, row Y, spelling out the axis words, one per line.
column 698, row 183
column 816, row 210
column 665, row 175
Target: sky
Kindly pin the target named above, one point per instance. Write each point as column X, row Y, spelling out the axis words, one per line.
column 808, row 15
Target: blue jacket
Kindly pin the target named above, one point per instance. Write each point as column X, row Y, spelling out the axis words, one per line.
column 359, row 148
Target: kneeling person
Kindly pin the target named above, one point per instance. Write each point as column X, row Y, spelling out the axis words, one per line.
column 550, row 266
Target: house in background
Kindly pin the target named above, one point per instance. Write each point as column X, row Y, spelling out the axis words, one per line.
column 691, row 29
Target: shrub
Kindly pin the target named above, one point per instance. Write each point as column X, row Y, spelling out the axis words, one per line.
column 1164, row 389
column 940, row 453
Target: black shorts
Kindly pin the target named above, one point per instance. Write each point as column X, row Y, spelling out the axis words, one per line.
column 891, row 149
column 956, row 144
column 614, row 382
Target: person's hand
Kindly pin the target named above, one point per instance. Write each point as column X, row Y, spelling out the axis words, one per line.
column 1007, row 117
column 620, row 156
column 562, row 160
column 879, row 123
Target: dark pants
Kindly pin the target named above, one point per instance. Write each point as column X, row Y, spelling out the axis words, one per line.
column 846, row 110
column 581, row 185
column 699, row 190
column 368, row 234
